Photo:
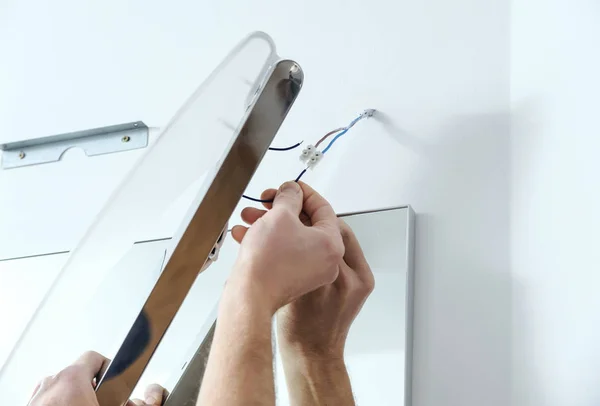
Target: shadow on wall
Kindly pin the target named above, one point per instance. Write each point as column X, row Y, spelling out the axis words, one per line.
column 402, row 136
column 463, row 288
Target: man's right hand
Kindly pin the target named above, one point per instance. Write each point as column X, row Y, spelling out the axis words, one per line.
column 281, row 258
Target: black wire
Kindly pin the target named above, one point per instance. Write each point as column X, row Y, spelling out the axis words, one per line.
column 286, row 148
column 258, row 200
column 271, row 200
column 301, row 174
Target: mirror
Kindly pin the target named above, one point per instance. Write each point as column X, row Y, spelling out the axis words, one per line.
column 378, row 350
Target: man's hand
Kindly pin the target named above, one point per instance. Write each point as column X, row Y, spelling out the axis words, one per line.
column 316, row 325
column 281, row 258
column 74, row 386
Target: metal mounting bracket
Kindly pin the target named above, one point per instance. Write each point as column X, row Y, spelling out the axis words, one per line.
column 97, row 141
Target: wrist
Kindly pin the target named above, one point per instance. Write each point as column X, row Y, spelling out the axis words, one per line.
column 304, row 358
column 245, row 292
column 319, row 351
column 317, row 381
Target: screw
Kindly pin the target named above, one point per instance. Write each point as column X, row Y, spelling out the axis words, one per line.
column 21, row 155
column 125, row 138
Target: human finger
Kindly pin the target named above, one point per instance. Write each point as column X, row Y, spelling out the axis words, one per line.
column 268, row 194
column 354, row 256
column 305, row 219
column 92, row 363
column 135, row 402
column 289, row 197
column 316, row 207
column 155, row 395
column 251, row 214
column 238, row 232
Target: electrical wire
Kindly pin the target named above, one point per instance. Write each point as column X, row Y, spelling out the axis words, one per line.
column 341, row 131
column 301, row 174
column 257, row 200
column 286, row 148
column 271, row 200
column 327, row 135
column 345, row 130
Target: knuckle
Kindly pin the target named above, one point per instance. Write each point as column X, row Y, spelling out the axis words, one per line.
column 70, row 373
column 370, row 284
column 282, row 216
column 366, row 280
column 91, row 354
column 333, row 248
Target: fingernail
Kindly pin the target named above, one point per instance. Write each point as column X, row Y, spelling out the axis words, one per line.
column 151, row 401
column 290, row 187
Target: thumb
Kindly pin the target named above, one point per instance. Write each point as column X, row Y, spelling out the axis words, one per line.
column 289, row 197
column 154, row 395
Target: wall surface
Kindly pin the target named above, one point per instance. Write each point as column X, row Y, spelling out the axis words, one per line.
column 555, row 197
column 437, row 70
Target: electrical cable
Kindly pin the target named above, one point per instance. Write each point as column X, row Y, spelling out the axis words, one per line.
column 327, row 135
column 257, row 200
column 286, row 148
column 341, row 131
column 301, row 174
column 356, row 120
column 271, row 200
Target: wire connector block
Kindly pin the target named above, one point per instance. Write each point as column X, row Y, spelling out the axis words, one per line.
column 314, row 159
column 307, row 153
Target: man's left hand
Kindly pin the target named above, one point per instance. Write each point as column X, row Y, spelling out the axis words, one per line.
column 74, row 386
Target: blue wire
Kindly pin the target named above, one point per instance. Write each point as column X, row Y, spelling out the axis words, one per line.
column 356, row 120
column 286, row 148
column 334, row 140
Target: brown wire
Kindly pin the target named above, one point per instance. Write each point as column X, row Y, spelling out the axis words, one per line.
column 327, row 135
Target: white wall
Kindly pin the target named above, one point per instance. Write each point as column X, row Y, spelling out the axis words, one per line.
column 438, row 70
column 555, row 196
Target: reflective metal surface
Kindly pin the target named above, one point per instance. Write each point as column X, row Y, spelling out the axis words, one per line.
column 195, row 243
column 96, row 141
column 187, row 390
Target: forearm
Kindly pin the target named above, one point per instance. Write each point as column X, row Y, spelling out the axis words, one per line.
column 317, row 382
column 240, row 365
